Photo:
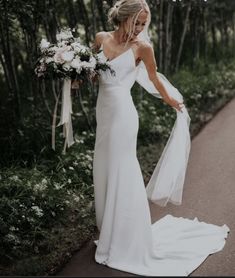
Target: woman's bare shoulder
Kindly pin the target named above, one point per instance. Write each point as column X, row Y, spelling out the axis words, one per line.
column 143, row 45
column 101, row 36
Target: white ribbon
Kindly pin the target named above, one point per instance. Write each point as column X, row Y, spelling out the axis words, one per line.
column 65, row 118
column 167, row 181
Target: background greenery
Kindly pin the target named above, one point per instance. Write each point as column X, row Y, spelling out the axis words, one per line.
column 46, row 198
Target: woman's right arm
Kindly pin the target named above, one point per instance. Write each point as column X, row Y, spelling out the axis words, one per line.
column 99, row 37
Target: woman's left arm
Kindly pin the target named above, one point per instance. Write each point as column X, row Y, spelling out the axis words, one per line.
column 146, row 54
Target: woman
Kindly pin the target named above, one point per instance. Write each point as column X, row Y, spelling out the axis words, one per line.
column 128, row 241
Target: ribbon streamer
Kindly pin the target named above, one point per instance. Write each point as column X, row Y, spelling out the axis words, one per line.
column 65, row 117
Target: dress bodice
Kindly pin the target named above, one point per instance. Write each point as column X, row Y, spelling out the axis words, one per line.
column 124, row 69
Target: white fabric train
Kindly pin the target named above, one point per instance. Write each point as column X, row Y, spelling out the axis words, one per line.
column 167, row 180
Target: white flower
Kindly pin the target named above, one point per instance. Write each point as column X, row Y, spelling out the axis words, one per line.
column 90, row 65
column 88, row 157
column 58, row 186
column 64, row 35
column 69, row 181
column 58, row 55
column 44, row 44
column 62, row 44
column 12, row 228
column 49, row 60
column 71, row 168
column 44, row 181
column 39, row 187
column 14, row 178
column 67, row 56
column 54, row 48
column 76, row 63
column 76, row 46
column 57, row 58
column 38, row 211
column 79, row 141
column 76, row 198
column 12, row 237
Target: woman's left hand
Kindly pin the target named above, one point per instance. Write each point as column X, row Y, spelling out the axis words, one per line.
column 176, row 104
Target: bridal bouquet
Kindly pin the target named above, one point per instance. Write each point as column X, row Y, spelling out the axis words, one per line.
column 68, row 59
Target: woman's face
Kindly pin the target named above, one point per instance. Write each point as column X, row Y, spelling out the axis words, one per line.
column 140, row 23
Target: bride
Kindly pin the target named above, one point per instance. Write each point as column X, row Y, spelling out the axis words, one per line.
column 128, row 241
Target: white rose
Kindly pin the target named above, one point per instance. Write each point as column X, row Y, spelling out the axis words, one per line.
column 64, row 35
column 76, row 63
column 44, row 44
column 58, row 58
column 67, row 56
column 76, row 46
column 92, row 62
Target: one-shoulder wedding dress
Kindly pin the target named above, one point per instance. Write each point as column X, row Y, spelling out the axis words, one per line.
column 172, row 246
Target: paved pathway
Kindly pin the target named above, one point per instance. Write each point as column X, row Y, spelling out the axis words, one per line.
column 209, row 194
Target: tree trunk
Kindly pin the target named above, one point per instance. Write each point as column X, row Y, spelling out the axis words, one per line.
column 101, row 14
column 234, row 31
column 93, row 12
column 160, row 30
column 83, row 14
column 214, row 41
column 186, row 20
column 7, row 53
column 168, row 38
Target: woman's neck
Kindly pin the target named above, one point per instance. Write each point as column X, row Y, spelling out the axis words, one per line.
column 120, row 35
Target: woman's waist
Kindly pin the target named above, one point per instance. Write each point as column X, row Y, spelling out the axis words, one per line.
column 116, row 91
column 113, row 86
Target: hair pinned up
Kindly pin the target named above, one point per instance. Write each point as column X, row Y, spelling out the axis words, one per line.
column 124, row 9
column 127, row 11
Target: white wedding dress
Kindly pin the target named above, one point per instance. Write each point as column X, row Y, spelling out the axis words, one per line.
column 128, row 241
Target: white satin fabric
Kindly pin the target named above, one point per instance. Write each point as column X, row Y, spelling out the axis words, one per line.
column 128, row 241
column 65, row 116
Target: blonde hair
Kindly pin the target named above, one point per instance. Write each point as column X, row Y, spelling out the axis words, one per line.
column 127, row 11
